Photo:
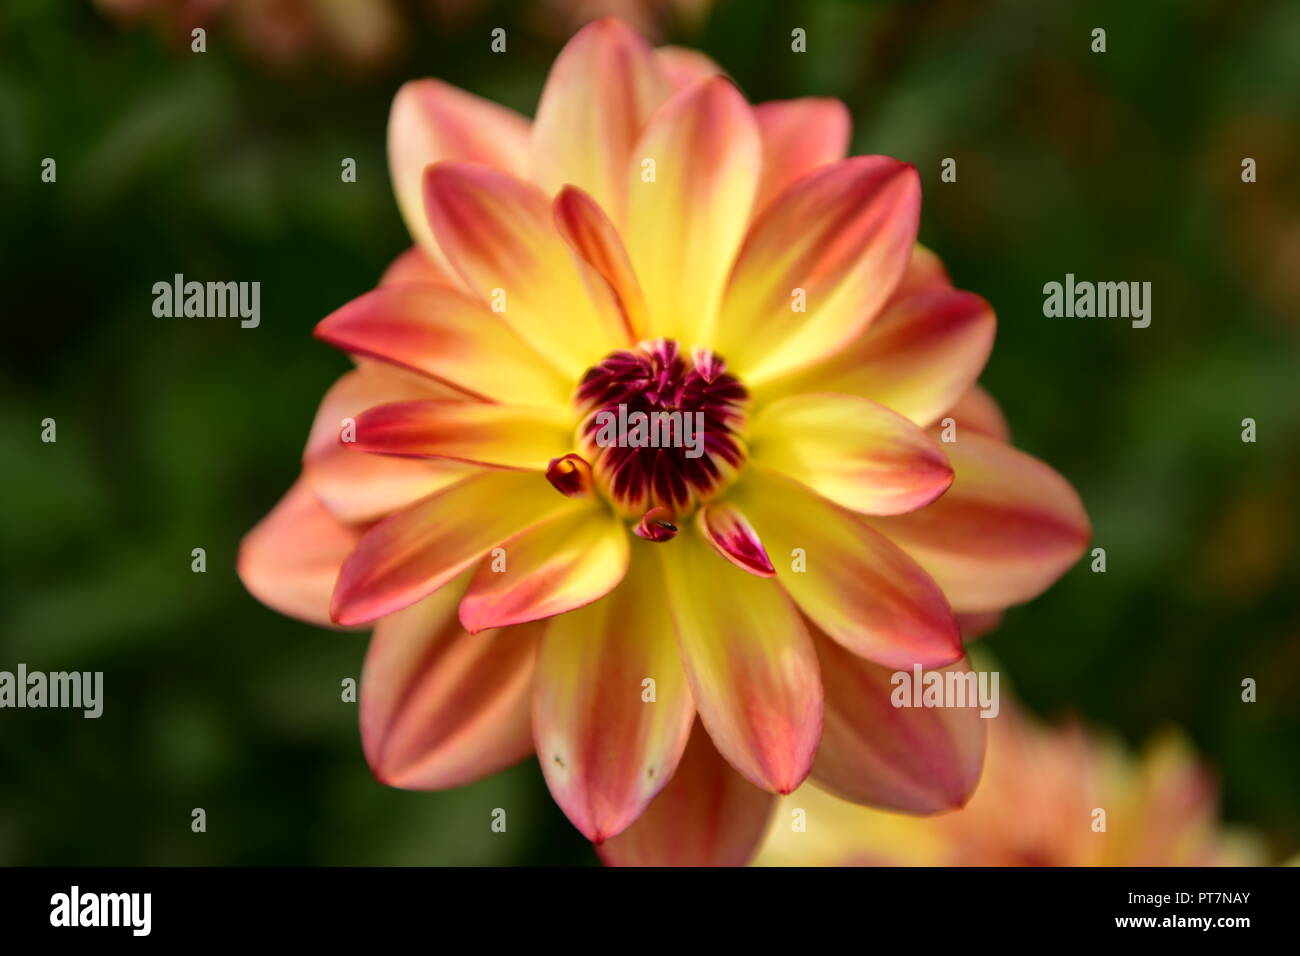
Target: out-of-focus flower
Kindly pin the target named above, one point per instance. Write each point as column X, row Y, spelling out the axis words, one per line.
column 1039, row 804
column 653, row 245
column 651, row 18
column 281, row 32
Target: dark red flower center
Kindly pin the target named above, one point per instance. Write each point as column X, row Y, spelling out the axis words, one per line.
column 661, row 430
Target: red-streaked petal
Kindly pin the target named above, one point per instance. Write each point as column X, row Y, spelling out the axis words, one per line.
column 858, row 586
column 549, row 569
column 444, row 333
column 798, row 136
column 417, row 550
column 708, row 815
column 505, row 436
column 841, row 235
column 441, row 708
column 431, row 121
column 602, row 88
column 917, row 358
column 291, row 559
column 360, row 488
column 853, row 451
column 978, row 624
column 925, row 273
column 499, row 233
column 916, row 760
column 600, row 254
column 1003, row 533
column 750, row 663
column 605, row 749
column 733, row 537
column 417, row 265
column 980, row 412
column 685, row 226
column 685, row 66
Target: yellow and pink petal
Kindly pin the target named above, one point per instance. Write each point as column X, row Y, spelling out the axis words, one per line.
column 857, row 585
column 441, row 708
column 732, row 536
column 1005, row 531
column 499, row 234
column 550, row 569
column 291, row 559
column 708, row 815
column 686, row 221
column 750, row 663
column 916, row 760
column 816, row 266
column 431, row 121
column 359, row 488
column 602, row 89
column 602, row 259
column 855, row 452
column 684, row 66
column 613, row 711
column 448, row 335
column 918, row 358
column 980, row 412
column 417, row 550
column 798, row 136
column 503, row 436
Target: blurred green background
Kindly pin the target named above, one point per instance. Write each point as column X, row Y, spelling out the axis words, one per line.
column 175, row 434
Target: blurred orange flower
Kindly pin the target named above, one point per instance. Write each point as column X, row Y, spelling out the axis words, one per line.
column 1045, row 795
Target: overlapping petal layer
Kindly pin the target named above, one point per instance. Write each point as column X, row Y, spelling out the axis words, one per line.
column 750, row 663
column 506, row 436
column 685, row 223
column 431, row 121
column 554, row 567
column 602, row 258
column 415, row 551
column 852, row 451
column 918, row 358
column 1003, row 533
column 499, row 234
column 439, row 707
column 708, row 815
column 356, row 487
column 613, row 710
column 798, row 136
column 449, row 335
column 858, row 586
column 909, row 759
column 599, row 95
column 817, row 264
column 291, row 560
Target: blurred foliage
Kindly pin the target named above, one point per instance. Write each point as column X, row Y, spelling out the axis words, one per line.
column 176, row 434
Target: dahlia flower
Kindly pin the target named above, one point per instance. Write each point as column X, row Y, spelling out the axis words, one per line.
column 653, row 241
column 1037, row 805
